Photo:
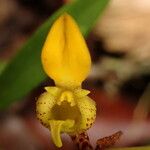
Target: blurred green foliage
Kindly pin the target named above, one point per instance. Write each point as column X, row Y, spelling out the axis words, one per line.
column 2, row 65
column 24, row 72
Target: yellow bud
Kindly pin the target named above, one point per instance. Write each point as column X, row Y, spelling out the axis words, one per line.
column 65, row 56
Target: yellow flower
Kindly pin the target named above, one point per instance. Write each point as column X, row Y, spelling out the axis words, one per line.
column 65, row 108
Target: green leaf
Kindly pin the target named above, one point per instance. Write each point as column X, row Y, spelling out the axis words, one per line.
column 25, row 72
column 2, row 65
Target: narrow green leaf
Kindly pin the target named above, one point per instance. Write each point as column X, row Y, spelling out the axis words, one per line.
column 2, row 65
column 25, row 72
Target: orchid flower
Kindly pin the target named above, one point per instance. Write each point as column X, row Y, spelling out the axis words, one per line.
column 65, row 107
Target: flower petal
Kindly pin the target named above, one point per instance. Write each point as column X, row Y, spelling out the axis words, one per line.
column 65, row 56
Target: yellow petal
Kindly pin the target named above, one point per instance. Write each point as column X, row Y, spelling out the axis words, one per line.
column 53, row 90
column 81, row 92
column 65, row 56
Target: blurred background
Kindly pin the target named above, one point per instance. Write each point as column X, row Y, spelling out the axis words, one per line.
column 119, row 79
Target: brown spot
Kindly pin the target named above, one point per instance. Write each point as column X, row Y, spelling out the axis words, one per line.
column 41, row 120
column 81, row 140
column 88, row 119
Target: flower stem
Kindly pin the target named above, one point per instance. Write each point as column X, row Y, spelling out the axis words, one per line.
column 82, row 141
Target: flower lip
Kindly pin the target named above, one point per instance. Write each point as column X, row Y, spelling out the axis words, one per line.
column 56, row 128
column 64, row 119
column 57, row 113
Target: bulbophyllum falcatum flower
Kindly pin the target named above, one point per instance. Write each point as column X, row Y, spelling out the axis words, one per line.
column 65, row 107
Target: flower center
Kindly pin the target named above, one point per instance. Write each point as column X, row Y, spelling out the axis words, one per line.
column 64, row 118
column 65, row 111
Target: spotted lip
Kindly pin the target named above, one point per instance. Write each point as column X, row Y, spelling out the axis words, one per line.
column 64, row 111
